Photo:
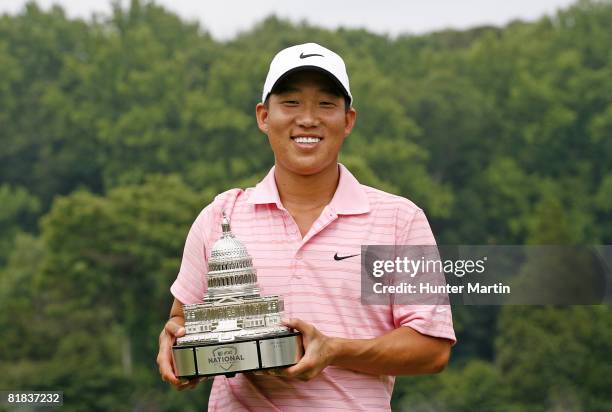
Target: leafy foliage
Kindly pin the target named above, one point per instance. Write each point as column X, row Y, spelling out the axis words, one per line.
column 116, row 131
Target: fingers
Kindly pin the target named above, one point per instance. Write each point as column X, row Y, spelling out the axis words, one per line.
column 189, row 383
column 164, row 357
column 174, row 328
column 290, row 323
column 315, row 351
column 302, row 372
column 165, row 365
column 302, row 369
column 298, row 324
column 275, row 371
column 280, row 371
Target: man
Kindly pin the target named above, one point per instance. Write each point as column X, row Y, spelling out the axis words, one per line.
column 304, row 224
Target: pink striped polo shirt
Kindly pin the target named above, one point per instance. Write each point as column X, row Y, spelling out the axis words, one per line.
column 315, row 287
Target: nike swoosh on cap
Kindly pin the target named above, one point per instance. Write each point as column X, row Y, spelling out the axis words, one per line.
column 303, row 56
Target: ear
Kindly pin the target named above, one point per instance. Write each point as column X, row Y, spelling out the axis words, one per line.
column 349, row 120
column 261, row 113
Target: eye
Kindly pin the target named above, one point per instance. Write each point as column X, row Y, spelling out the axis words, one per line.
column 290, row 102
column 327, row 104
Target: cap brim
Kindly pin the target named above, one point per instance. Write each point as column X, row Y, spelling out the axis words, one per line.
column 315, row 68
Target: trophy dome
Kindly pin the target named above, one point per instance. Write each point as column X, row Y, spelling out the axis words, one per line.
column 228, row 253
column 230, row 267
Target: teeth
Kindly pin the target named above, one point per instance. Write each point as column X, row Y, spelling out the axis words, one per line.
column 307, row 139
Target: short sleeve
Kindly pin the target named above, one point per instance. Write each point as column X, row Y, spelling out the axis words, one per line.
column 417, row 231
column 431, row 320
column 190, row 286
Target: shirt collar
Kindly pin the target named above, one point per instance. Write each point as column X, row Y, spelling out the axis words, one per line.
column 349, row 199
column 265, row 191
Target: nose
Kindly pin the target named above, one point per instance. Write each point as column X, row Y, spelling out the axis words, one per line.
column 307, row 117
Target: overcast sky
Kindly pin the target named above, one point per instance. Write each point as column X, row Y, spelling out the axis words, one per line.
column 223, row 19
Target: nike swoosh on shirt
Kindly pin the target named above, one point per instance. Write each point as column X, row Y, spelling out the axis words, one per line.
column 336, row 257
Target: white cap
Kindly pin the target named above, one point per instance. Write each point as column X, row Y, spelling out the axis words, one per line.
column 308, row 55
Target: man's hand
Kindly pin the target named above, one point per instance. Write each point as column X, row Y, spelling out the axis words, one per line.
column 173, row 329
column 402, row 351
column 318, row 352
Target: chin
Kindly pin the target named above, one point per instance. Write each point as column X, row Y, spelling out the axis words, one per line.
column 305, row 168
column 306, row 171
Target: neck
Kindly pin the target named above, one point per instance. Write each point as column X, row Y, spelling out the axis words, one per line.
column 299, row 192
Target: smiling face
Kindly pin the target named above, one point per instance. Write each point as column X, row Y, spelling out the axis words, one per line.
column 306, row 123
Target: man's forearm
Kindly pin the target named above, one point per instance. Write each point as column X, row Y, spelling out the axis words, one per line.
column 402, row 351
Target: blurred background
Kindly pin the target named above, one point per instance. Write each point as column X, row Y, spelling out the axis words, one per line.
column 116, row 129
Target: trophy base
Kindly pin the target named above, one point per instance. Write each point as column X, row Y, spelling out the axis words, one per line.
column 229, row 358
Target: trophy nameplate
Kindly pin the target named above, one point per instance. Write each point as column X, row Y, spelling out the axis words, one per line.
column 235, row 329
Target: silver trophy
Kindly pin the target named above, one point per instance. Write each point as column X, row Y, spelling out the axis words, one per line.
column 235, row 329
